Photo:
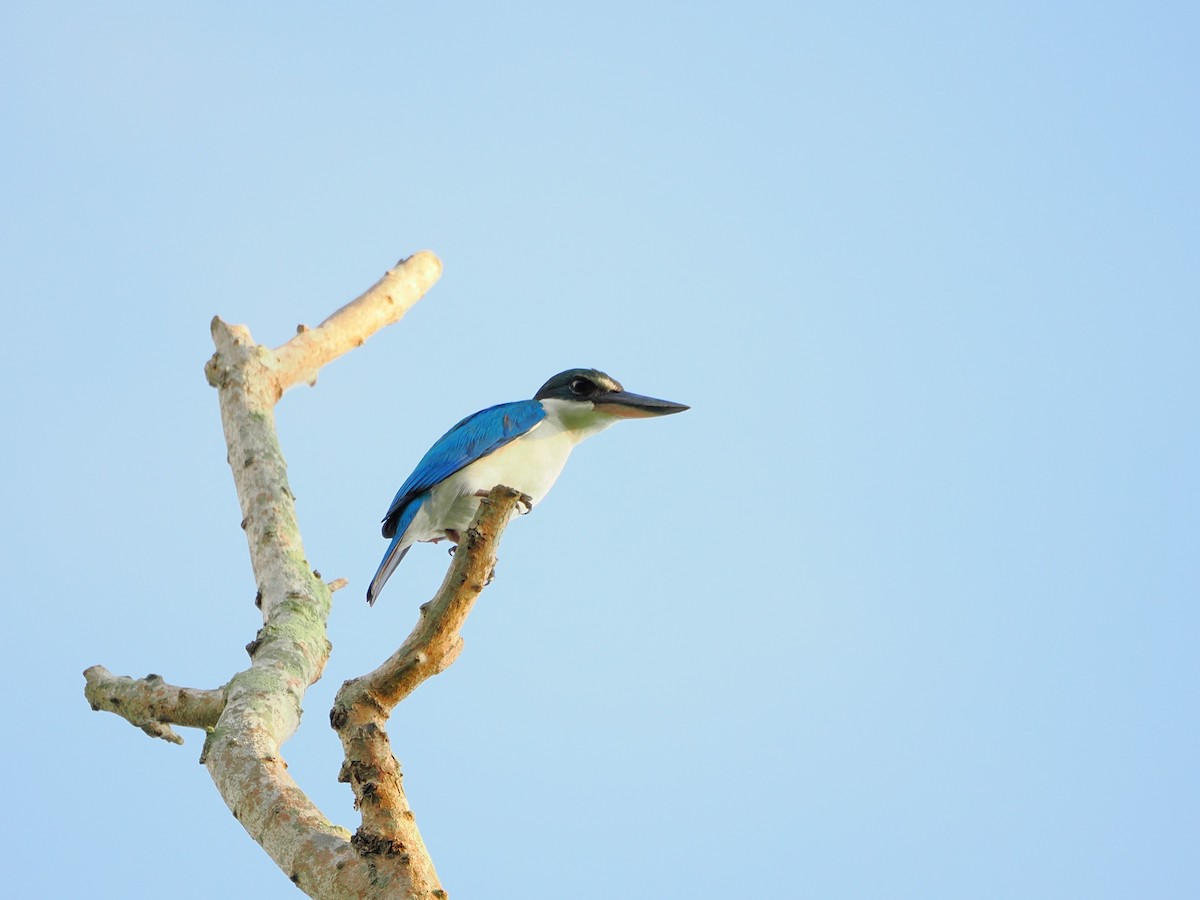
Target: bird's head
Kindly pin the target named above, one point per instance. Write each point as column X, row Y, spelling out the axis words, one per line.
column 584, row 392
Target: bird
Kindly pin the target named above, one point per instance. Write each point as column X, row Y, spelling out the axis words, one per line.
column 523, row 444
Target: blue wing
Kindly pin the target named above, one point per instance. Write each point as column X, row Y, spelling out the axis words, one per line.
column 473, row 438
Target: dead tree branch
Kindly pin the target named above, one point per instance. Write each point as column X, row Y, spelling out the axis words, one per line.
column 362, row 706
column 151, row 704
column 248, row 719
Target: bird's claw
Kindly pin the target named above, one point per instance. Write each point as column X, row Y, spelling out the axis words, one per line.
column 523, row 499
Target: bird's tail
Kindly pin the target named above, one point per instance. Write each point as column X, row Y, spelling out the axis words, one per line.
column 395, row 552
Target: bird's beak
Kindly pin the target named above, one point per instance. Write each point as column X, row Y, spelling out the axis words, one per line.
column 634, row 406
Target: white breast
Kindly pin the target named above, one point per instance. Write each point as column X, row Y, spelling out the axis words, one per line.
column 530, row 464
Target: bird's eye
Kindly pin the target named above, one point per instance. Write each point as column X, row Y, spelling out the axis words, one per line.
column 581, row 387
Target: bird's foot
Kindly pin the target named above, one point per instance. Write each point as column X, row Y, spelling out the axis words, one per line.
column 523, row 499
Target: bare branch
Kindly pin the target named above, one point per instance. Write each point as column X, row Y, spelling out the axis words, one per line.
column 381, row 305
column 363, row 705
column 151, row 704
column 259, row 708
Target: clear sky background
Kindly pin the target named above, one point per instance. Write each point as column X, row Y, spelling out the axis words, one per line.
column 906, row 606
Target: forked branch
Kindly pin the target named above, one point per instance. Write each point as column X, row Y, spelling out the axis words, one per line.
column 249, row 718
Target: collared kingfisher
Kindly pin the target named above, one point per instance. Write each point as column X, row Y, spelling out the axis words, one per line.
column 523, row 445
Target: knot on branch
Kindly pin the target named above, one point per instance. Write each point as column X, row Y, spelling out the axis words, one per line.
column 368, row 844
column 215, row 371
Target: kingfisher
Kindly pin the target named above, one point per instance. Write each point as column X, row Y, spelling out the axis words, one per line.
column 523, row 444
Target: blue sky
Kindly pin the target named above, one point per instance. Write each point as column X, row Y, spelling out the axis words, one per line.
column 905, row 606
